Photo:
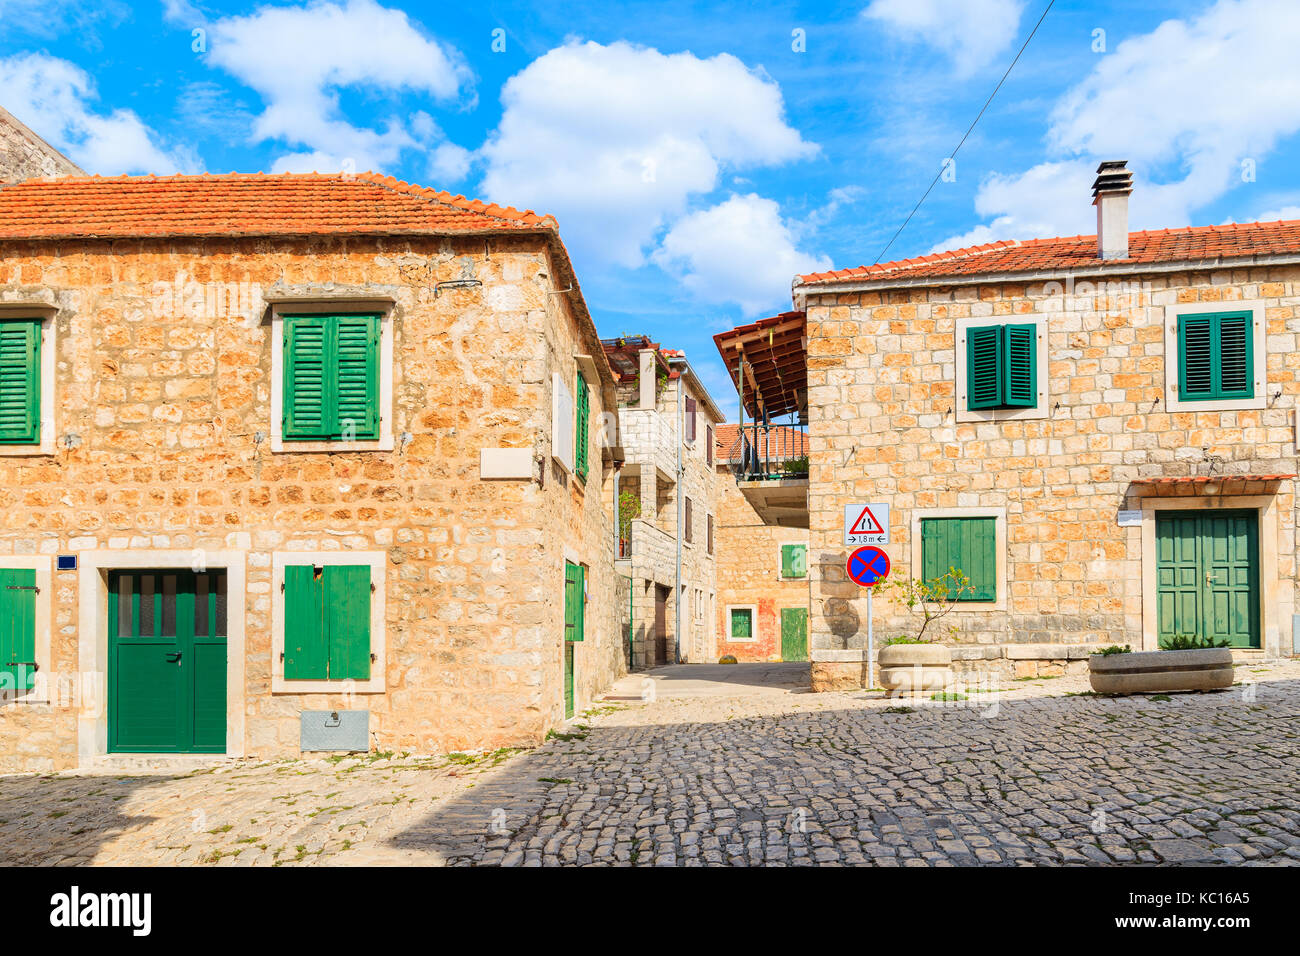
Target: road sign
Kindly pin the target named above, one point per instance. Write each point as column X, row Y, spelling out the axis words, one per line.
column 868, row 566
column 866, row 524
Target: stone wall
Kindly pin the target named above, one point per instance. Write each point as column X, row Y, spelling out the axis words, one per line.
column 882, row 369
column 24, row 155
column 162, row 415
column 749, row 573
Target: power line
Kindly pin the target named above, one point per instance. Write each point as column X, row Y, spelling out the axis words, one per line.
column 953, row 155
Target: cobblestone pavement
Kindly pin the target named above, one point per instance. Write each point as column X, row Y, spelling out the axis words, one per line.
column 740, row 766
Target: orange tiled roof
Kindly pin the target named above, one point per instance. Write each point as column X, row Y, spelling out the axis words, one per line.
column 785, row 442
column 240, row 204
column 1194, row 244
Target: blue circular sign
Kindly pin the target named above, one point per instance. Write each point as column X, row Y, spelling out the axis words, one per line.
column 868, row 566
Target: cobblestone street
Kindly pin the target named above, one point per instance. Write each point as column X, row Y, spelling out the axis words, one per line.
column 739, row 766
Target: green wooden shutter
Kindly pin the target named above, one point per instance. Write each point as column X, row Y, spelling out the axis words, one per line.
column 356, row 376
column 17, row 630
column 20, row 382
column 1195, row 357
column 967, row 544
column 1021, row 366
column 308, row 387
column 1236, row 356
column 306, row 633
column 574, row 611
column 347, row 600
column 742, row 623
column 580, row 435
column 984, row 379
column 794, row 560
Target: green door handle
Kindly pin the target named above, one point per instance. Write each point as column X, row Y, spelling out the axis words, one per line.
column 174, row 658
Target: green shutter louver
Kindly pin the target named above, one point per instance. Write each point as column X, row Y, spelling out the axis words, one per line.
column 1021, row 366
column 983, row 366
column 581, row 429
column 17, row 631
column 327, row 622
column 1002, row 366
column 20, row 381
column 574, row 602
column 966, row 544
column 742, row 623
column 1216, row 356
column 794, row 560
column 331, row 377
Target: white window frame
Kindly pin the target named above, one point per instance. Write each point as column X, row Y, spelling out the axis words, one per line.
column 999, row 544
column 43, row 565
column 1041, row 409
column 564, row 427
column 726, row 624
column 1259, row 355
column 279, row 310
column 49, row 345
column 378, row 562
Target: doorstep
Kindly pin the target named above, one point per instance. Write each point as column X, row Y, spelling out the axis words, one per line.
column 152, row 763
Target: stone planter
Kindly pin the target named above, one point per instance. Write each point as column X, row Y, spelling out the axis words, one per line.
column 915, row 668
column 1156, row 672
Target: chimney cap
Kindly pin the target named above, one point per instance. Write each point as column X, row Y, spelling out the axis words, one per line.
column 1113, row 178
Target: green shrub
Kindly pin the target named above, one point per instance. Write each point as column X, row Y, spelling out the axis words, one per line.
column 1192, row 642
column 1112, row 649
column 905, row 639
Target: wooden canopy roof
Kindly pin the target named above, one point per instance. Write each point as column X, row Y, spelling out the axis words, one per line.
column 773, row 354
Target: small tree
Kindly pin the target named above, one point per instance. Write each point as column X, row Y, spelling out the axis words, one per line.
column 629, row 507
column 934, row 599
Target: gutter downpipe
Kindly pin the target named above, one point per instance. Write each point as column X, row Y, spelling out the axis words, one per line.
column 681, row 508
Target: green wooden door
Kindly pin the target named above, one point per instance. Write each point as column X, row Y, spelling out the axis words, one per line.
column 167, row 662
column 17, row 631
column 794, row 633
column 568, row 680
column 1207, row 575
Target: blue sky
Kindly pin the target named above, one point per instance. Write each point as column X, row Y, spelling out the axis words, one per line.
column 696, row 158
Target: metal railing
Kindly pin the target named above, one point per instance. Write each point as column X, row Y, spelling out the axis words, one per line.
column 766, row 452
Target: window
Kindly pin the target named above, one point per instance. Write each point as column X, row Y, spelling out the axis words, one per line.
column 1216, row 356
column 967, row 544
column 708, row 445
column 580, row 437
column 18, row 666
column 794, row 560
column 575, row 598
column 688, row 533
column 20, row 382
column 691, row 406
column 331, row 378
column 740, row 623
column 327, row 622
column 710, row 533
column 1001, row 366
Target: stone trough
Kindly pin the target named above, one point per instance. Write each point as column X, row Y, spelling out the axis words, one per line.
column 1155, row 672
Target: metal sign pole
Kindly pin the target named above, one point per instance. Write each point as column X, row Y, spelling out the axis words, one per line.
column 871, row 645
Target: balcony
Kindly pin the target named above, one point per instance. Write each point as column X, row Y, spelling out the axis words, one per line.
column 770, row 465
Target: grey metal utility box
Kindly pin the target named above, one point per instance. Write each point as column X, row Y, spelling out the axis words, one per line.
column 347, row 731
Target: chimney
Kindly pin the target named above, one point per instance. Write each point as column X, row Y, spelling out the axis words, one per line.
column 1110, row 194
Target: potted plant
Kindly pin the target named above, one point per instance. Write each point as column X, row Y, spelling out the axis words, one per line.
column 913, row 663
column 1184, row 662
column 629, row 507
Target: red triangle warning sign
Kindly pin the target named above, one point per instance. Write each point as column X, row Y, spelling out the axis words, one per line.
column 866, row 523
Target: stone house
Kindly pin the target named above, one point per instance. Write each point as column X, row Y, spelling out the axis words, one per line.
column 668, row 499
column 762, row 567
column 1099, row 430
column 24, row 155
column 296, row 461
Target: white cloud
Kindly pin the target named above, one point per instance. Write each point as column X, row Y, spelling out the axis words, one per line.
column 1285, row 212
column 299, row 59
column 448, row 163
column 56, row 99
column 614, row 140
column 738, row 251
column 971, row 32
column 1192, row 99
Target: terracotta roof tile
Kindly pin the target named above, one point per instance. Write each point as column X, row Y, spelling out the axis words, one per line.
column 785, row 442
column 240, row 204
column 1193, row 244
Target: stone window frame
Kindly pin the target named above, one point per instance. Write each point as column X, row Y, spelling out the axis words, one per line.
column 92, row 641
column 378, row 562
column 49, row 359
column 43, row 565
column 726, row 633
column 1259, row 354
column 326, row 306
column 999, row 514
column 1043, row 407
